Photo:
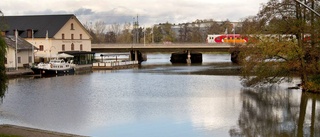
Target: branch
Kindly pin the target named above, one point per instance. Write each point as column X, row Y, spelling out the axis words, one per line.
column 308, row 8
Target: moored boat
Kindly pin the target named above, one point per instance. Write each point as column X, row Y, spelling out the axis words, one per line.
column 54, row 67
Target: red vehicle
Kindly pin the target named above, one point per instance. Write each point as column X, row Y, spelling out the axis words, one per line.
column 226, row 38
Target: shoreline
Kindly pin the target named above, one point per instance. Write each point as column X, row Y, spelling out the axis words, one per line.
column 20, row 131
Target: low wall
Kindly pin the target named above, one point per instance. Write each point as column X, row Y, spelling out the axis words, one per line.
column 80, row 69
column 115, row 65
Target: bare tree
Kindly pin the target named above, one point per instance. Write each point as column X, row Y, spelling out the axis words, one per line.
column 99, row 30
column 115, row 28
column 125, row 35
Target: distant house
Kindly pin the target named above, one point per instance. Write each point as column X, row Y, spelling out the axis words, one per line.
column 50, row 34
column 24, row 52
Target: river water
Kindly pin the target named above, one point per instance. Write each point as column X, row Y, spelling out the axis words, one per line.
column 160, row 99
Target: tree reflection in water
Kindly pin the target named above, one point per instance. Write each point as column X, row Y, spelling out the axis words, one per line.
column 3, row 86
column 276, row 112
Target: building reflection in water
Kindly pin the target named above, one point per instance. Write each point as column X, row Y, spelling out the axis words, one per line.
column 276, row 112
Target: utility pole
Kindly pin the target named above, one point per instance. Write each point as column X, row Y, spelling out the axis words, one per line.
column 137, row 31
column 133, row 31
column 16, row 51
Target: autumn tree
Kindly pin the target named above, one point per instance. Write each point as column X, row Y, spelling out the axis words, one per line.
column 282, row 45
column 184, row 33
column 196, row 33
column 157, row 34
column 213, row 27
column 167, row 32
column 148, row 33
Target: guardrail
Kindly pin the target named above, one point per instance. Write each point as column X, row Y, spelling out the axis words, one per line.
column 115, row 65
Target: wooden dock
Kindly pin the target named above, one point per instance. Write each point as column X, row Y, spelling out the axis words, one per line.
column 114, row 65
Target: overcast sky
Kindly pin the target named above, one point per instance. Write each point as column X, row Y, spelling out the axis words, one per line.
column 149, row 11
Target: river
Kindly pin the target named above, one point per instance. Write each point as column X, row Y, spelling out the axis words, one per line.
column 160, row 99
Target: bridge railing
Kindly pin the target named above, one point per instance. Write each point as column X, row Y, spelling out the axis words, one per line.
column 114, row 63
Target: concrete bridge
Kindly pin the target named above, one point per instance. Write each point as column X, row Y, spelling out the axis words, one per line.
column 193, row 47
column 187, row 50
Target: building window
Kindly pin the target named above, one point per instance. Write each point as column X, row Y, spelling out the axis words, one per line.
column 81, row 47
column 80, row 36
column 5, row 60
column 72, row 26
column 30, row 59
column 72, row 46
column 29, row 33
column 62, row 36
column 71, row 36
column 41, row 47
column 19, row 59
column 63, row 47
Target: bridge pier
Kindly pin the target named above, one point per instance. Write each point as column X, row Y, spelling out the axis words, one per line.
column 235, row 58
column 186, row 57
column 136, row 55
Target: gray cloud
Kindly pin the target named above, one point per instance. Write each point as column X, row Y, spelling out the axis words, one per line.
column 45, row 12
column 83, row 11
column 150, row 12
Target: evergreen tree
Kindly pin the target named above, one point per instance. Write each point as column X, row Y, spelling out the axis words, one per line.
column 3, row 76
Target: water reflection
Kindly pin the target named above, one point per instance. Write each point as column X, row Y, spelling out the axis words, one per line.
column 125, row 104
column 276, row 112
column 3, row 83
column 159, row 100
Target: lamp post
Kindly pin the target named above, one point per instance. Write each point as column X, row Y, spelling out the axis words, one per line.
column 133, row 31
column 32, row 58
column 51, row 49
column 101, row 55
column 16, row 51
column 144, row 36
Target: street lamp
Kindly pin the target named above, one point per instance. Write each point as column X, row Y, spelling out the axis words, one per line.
column 133, row 31
column 101, row 55
column 50, row 50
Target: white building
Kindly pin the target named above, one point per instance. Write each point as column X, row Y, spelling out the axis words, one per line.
column 24, row 52
column 50, row 34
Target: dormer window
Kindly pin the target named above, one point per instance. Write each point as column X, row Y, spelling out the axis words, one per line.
column 29, row 33
column 72, row 26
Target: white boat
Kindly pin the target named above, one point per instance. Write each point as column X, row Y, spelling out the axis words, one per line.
column 54, row 67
